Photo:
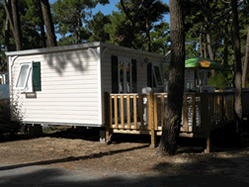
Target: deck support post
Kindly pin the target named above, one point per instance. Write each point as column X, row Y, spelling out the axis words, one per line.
column 35, row 130
column 151, row 120
column 104, row 135
column 205, row 120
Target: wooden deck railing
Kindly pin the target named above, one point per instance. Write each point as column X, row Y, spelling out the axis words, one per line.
column 144, row 113
column 136, row 111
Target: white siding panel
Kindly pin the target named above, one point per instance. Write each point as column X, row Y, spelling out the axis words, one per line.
column 69, row 88
column 141, row 71
column 41, row 100
column 56, row 111
column 63, row 95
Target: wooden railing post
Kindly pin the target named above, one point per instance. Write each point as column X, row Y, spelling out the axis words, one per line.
column 205, row 120
column 185, row 113
column 162, row 111
column 135, row 111
column 122, row 111
column 108, row 115
column 193, row 114
column 128, row 112
column 116, row 111
column 151, row 119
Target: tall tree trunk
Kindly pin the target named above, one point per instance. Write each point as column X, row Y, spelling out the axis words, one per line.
column 6, row 34
column 238, row 88
column 200, row 41
column 209, row 47
column 47, row 17
column 245, row 67
column 78, row 31
column 16, row 23
column 173, row 111
column 225, row 49
column 7, row 7
column 41, row 25
column 148, row 34
column 205, row 48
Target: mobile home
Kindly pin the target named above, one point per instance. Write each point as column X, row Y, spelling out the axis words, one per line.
column 65, row 85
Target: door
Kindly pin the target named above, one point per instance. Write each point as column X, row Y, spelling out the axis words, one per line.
column 126, row 80
column 125, row 75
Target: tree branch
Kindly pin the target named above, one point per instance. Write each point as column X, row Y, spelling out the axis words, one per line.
column 8, row 15
column 126, row 13
column 226, row 1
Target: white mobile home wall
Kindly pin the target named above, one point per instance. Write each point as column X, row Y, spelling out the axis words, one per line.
column 69, row 87
column 121, row 52
column 73, row 82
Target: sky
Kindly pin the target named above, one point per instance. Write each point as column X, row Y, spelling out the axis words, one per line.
column 107, row 9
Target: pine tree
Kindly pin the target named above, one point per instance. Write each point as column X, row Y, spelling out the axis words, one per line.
column 173, row 111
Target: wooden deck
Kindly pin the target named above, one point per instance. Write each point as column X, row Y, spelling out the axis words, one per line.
column 144, row 113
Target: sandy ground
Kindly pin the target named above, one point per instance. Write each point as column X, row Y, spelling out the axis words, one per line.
column 76, row 149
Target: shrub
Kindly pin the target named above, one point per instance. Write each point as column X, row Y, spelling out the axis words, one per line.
column 6, row 125
column 219, row 80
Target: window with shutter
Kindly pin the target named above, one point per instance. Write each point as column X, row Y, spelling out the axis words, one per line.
column 37, row 76
column 28, row 79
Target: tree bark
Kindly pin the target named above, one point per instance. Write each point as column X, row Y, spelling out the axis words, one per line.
column 47, row 17
column 205, row 48
column 238, row 77
column 7, row 10
column 173, row 109
column 148, row 34
column 16, row 23
column 6, row 34
column 209, row 47
column 41, row 24
column 225, row 49
column 200, row 41
column 245, row 67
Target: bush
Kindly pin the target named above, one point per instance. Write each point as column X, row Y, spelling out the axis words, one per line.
column 219, row 80
column 6, row 125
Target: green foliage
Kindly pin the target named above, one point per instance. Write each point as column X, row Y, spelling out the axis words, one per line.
column 160, row 38
column 219, row 80
column 96, row 25
column 6, row 126
column 128, row 25
column 70, row 16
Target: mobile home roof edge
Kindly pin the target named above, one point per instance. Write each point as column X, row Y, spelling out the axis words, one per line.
column 79, row 46
column 53, row 49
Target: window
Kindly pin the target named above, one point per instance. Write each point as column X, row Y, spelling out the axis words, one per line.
column 154, row 75
column 28, row 79
column 157, row 75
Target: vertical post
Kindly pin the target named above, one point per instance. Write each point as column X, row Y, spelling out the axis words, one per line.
column 193, row 114
column 162, row 111
column 142, row 110
column 116, row 111
column 151, row 119
column 135, row 111
column 155, row 112
column 108, row 115
column 185, row 113
column 128, row 112
column 122, row 110
column 110, row 108
column 148, row 112
column 221, row 109
column 205, row 120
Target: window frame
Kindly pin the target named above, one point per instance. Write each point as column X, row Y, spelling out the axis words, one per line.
column 28, row 79
column 157, row 64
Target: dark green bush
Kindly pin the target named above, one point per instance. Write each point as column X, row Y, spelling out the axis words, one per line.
column 6, row 125
column 219, row 80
